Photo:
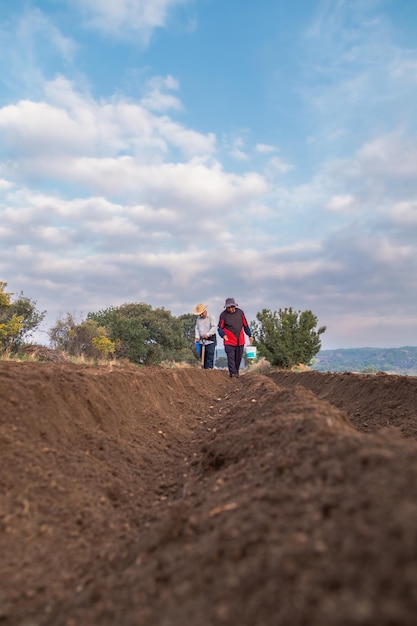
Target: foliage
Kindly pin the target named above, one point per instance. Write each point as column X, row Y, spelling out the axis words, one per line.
column 188, row 321
column 4, row 295
column 10, row 329
column 60, row 334
column 86, row 338
column 287, row 337
column 103, row 345
column 18, row 319
column 142, row 334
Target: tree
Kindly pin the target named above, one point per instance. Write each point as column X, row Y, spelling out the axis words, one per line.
column 10, row 324
column 188, row 321
column 287, row 337
column 86, row 338
column 142, row 334
column 18, row 319
column 61, row 334
column 103, row 345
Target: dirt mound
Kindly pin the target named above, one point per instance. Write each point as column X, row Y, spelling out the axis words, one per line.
column 166, row 498
column 42, row 353
column 372, row 401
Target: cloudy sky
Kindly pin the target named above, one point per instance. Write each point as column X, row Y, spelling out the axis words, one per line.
column 183, row 151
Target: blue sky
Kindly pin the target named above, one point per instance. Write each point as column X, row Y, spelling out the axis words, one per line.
column 183, row 151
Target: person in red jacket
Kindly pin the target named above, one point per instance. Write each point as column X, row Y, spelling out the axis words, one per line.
column 232, row 328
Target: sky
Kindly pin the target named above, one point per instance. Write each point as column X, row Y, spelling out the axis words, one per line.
column 173, row 152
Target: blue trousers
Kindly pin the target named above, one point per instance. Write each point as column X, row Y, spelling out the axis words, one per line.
column 209, row 351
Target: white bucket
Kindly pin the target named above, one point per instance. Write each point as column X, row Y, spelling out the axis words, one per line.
column 250, row 352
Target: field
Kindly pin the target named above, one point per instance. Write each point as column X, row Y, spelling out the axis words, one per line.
column 156, row 497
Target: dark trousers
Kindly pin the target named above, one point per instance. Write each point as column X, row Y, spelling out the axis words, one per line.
column 209, row 351
column 234, row 357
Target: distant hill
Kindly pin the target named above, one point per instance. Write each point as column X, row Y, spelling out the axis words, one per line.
column 392, row 360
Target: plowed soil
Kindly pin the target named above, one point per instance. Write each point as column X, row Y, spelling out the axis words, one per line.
column 156, row 497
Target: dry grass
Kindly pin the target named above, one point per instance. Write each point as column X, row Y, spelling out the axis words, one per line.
column 260, row 366
column 300, row 368
column 178, row 365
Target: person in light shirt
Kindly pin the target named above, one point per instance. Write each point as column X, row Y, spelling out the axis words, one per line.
column 205, row 335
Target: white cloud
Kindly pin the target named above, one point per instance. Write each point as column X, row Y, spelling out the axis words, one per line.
column 123, row 16
column 404, row 66
column 389, row 253
column 382, row 173
column 264, row 148
column 53, row 237
column 235, row 147
column 239, row 154
column 36, row 25
column 32, row 47
column 71, row 123
column 339, row 203
column 390, row 156
column 36, row 127
column 117, row 147
column 361, row 83
column 277, row 164
column 405, row 213
column 189, row 141
column 157, row 98
column 5, row 184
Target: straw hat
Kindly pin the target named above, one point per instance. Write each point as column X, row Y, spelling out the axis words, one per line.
column 200, row 308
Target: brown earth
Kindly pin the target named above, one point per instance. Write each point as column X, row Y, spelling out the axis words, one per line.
column 158, row 497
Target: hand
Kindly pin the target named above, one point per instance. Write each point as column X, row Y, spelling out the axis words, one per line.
column 250, row 339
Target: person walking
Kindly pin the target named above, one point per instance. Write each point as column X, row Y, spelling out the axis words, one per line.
column 232, row 328
column 205, row 335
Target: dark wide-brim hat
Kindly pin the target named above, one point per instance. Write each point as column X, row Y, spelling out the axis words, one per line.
column 230, row 302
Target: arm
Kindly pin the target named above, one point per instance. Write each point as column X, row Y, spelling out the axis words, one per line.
column 247, row 329
column 220, row 328
column 213, row 327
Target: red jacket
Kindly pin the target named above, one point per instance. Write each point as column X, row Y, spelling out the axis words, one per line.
column 234, row 326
